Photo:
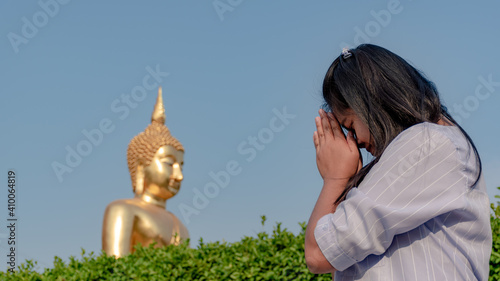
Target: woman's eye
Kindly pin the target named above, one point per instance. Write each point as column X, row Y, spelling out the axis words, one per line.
column 348, row 129
column 354, row 134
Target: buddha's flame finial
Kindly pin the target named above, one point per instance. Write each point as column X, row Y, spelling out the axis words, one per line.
column 159, row 111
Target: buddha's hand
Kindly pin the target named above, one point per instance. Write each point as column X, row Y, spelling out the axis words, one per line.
column 337, row 156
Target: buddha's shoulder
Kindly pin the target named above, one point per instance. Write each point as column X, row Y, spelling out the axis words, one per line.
column 125, row 204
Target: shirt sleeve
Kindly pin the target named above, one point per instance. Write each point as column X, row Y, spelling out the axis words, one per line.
column 421, row 175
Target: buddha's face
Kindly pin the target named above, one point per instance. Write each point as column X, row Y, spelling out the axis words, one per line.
column 163, row 176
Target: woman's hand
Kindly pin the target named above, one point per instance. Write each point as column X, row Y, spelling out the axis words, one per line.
column 337, row 157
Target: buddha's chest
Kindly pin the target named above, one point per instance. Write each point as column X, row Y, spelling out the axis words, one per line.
column 155, row 227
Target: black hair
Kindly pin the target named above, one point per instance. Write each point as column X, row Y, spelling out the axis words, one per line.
column 387, row 94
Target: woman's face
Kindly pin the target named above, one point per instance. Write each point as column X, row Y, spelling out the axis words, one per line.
column 350, row 121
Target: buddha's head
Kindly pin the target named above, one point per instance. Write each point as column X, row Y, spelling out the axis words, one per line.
column 155, row 158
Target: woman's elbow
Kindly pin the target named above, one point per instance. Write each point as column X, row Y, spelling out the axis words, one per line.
column 312, row 265
column 318, row 266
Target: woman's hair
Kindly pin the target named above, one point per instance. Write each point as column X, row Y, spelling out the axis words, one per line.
column 387, row 94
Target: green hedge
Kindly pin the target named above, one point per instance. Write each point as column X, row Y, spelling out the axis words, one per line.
column 279, row 256
column 495, row 253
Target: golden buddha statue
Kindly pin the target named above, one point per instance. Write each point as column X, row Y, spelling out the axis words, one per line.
column 155, row 160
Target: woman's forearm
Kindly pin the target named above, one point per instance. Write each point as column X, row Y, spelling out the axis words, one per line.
column 315, row 259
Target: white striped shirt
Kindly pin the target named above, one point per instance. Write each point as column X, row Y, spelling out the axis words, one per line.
column 415, row 216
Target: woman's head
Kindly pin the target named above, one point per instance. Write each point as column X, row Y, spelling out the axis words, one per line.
column 383, row 90
column 372, row 89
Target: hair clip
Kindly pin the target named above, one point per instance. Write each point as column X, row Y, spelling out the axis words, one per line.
column 346, row 53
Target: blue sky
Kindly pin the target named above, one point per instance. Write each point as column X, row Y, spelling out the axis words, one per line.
column 231, row 72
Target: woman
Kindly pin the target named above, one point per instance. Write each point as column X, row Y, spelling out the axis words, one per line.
column 419, row 210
